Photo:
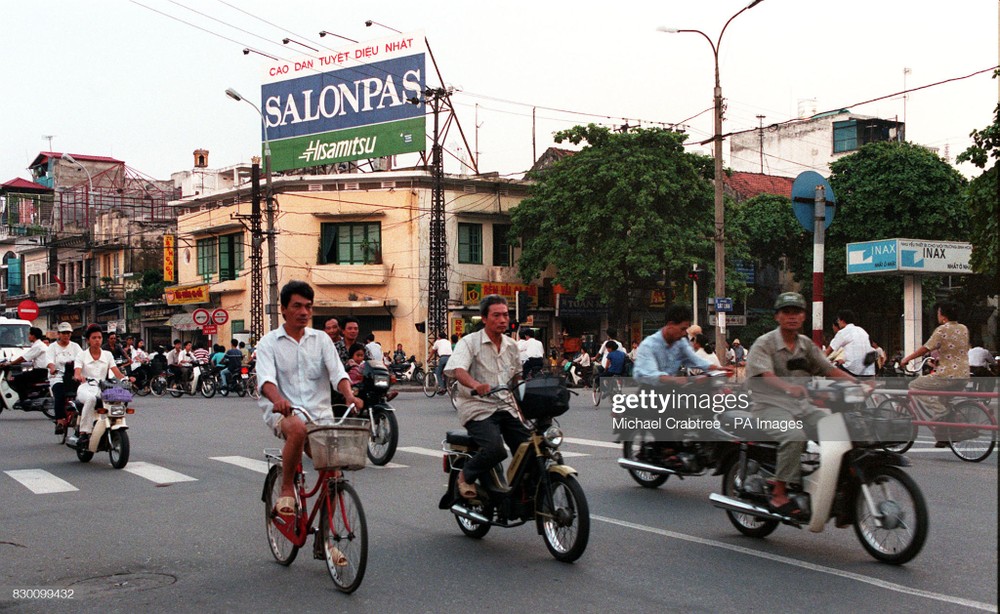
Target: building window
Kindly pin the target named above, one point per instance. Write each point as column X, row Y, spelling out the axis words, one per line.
column 238, row 326
column 470, row 243
column 503, row 249
column 206, row 256
column 351, row 243
column 853, row 134
column 845, row 136
column 230, row 256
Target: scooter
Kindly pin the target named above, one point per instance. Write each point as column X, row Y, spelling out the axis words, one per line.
column 39, row 397
column 374, row 391
column 408, row 371
column 848, row 477
column 537, row 486
column 110, row 432
column 197, row 382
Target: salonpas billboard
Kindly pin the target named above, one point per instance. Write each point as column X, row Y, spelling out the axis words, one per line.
column 346, row 105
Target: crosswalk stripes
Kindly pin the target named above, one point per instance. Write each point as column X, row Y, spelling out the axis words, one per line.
column 252, row 464
column 157, row 474
column 41, row 482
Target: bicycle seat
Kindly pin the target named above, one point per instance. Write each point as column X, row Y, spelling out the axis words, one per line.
column 460, row 437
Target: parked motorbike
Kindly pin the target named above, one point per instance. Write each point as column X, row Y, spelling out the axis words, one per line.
column 374, row 391
column 849, row 478
column 38, row 398
column 110, row 432
column 237, row 382
column 408, row 371
column 537, row 486
column 195, row 384
column 699, row 445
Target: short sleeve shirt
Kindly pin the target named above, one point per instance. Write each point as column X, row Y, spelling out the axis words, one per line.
column 951, row 340
column 36, row 355
column 61, row 356
column 487, row 364
column 95, row 368
column 768, row 354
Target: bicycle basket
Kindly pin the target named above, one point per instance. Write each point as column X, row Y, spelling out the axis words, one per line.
column 342, row 446
column 874, row 427
column 545, row 396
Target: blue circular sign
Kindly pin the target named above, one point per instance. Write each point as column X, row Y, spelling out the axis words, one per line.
column 804, row 198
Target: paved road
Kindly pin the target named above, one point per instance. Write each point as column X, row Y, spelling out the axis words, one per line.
column 181, row 529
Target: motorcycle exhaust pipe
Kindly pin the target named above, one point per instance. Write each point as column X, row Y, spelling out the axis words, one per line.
column 628, row 463
column 742, row 507
column 458, row 510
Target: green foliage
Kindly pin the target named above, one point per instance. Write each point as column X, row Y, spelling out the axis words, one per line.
column 616, row 215
column 765, row 226
column 983, row 196
column 151, row 288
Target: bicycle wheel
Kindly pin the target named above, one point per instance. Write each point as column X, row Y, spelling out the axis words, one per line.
column 252, row 387
column 430, row 384
column 344, row 533
column 595, row 392
column 453, row 392
column 283, row 550
column 971, row 444
column 896, row 408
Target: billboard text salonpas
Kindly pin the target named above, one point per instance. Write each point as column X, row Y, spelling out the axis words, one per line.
column 346, row 105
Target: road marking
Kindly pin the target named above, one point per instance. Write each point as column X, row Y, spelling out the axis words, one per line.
column 571, row 454
column 389, row 466
column 423, row 451
column 252, row 464
column 892, row 586
column 41, row 482
column 592, row 442
column 155, row 473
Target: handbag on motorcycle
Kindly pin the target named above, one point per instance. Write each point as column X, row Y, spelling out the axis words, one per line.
column 545, row 396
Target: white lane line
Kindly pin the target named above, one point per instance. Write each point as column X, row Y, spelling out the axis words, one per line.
column 892, row 586
column 593, row 442
column 388, row 466
column 252, row 464
column 572, row 454
column 423, row 451
column 40, row 482
column 155, row 473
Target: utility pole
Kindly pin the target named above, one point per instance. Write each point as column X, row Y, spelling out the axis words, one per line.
column 256, row 254
column 760, row 133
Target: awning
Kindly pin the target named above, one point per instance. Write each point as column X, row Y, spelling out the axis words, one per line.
column 182, row 321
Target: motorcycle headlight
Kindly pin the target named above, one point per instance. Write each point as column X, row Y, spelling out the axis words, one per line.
column 115, row 409
column 553, row 436
column 381, row 380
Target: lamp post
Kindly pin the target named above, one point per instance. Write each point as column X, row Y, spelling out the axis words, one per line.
column 720, row 229
column 91, row 280
column 272, row 264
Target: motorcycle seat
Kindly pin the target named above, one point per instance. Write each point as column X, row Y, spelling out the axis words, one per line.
column 459, row 437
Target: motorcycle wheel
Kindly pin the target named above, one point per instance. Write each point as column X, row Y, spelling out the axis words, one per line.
column 643, row 478
column 566, row 528
column 207, row 387
column 474, row 529
column 119, row 450
column 896, row 408
column 418, row 376
column 382, row 445
column 158, row 386
column 241, row 389
column 174, row 390
column 903, row 528
column 223, row 390
column 976, row 448
column 84, row 454
column 282, row 549
column 751, row 526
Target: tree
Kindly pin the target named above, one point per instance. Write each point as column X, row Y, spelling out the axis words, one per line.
column 614, row 217
column 983, row 196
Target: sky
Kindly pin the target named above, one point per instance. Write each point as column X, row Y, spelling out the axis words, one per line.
column 125, row 78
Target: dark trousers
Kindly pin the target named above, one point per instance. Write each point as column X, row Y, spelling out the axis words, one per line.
column 532, row 366
column 490, row 434
column 28, row 379
column 60, row 390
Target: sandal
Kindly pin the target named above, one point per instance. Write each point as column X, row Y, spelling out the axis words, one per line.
column 285, row 506
column 335, row 555
column 789, row 509
column 466, row 490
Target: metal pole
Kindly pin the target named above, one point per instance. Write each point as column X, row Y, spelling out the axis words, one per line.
column 819, row 222
column 272, row 259
column 720, row 237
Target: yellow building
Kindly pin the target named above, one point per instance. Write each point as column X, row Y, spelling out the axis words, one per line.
column 361, row 241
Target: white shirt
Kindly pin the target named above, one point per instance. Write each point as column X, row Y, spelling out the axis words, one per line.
column 533, row 348
column 712, row 358
column 582, row 359
column 856, row 345
column 36, row 355
column 374, row 351
column 95, row 368
column 61, row 356
column 980, row 357
column 139, row 356
column 442, row 347
column 303, row 371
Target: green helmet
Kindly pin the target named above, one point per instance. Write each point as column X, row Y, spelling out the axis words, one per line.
column 790, row 299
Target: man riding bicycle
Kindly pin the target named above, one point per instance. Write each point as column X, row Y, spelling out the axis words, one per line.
column 294, row 362
column 481, row 361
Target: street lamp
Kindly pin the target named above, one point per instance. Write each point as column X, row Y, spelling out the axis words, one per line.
column 720, row 230
column 272, row 265
column 91, row 282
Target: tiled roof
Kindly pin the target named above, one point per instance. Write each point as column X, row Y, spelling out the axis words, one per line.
column 17, row 184
column 747, row 185
column 44, row 156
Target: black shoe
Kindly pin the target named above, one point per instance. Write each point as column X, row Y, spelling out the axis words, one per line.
column 83, row 442
column 60, row 428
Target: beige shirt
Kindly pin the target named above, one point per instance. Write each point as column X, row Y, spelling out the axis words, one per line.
column 951, row 340
column 487, row 364
column 770, row 354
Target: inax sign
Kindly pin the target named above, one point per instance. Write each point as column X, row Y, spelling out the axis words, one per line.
column 346, row 105
column 909, row 256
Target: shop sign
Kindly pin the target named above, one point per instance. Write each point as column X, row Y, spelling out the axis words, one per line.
column 186, row 295
column 474, row 291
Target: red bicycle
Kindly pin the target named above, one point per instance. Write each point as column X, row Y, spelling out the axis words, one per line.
column 342, row 531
